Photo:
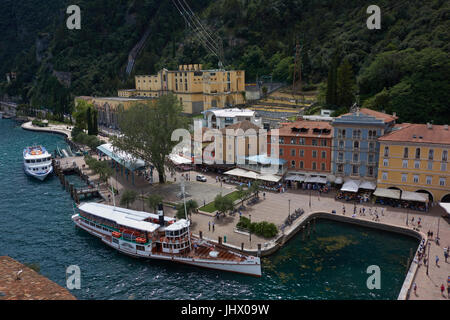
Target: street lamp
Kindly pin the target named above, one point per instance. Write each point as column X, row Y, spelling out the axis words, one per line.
column 407, row 215
column 428, row 260
column 250, row 230
column 310, row 198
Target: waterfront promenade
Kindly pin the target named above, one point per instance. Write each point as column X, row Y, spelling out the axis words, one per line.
column 275, row 208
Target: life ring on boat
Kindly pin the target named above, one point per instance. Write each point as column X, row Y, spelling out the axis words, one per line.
column 116, row 234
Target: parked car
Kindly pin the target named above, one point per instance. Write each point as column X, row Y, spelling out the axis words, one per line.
column 200, row 178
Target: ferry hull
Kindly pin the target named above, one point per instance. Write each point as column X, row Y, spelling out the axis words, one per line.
column 252, row 268
column 40, row 177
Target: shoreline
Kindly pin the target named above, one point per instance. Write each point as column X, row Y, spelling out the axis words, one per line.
column 276, row 244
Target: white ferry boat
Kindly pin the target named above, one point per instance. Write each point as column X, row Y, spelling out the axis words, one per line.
column 37, row 162
column 154, row 236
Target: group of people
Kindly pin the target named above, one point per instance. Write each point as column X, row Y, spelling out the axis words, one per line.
column 362, row 212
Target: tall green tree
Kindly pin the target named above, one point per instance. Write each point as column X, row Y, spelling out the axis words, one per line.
column 331, row 95
column 153, row 200
column 346, row 85
column 147, row 130
column 89, row 120
column 128, row 197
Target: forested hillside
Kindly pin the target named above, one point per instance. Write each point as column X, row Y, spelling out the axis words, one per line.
column 401, row 68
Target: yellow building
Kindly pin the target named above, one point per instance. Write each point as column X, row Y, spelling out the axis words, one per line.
column 415, row 158
column 197, row 89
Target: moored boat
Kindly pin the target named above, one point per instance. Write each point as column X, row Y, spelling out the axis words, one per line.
column 37, row 162
column 146, row 235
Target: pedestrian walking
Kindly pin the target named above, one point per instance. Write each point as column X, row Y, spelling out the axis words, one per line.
column 213, row 226
column 209, row 225
column 437, row 261
column 264, row 195
column 442, row 290
column 445, row 255
column 415, row 288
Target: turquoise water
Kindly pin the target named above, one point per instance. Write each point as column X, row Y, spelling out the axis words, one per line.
column 35, row 227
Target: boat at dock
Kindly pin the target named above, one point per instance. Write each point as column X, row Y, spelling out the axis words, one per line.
column 37, row 162
column 155, row 236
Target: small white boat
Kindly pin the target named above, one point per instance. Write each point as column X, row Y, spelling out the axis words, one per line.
column 37, row 162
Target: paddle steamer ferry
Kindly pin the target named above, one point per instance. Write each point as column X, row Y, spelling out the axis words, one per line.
column 155, row 236
column 37, row 162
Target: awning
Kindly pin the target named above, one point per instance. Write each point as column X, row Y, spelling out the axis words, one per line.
column 446, row 206
column 338, row 180
column 351, row 186
column 177, row 159
column 387, row 193
column 122, row 157
column 368, row 185
column 268, row 177
column 414, row 196
column 242, row 173
column 311, row 179
column 295, row 177
column 321, row 180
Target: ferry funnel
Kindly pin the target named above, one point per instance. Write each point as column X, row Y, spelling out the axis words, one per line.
column 161, row 214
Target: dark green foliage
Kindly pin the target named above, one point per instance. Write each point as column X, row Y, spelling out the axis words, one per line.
column 258, row 36
column 264, row 228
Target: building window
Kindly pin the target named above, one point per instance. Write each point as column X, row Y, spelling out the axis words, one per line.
column 301, row 141
column 281, row 141
column 292, row 140
column 323, row 143
column 293, row 152
column 341, row 144
column 340, row 168
column 314, row 142
column 386, row 151
column 442, row 182
column 355, row 170
column 357, row 134
column 370, row 160
column 385, row 163
column 314, row 153
column 416, row 164
column 404, row 177
column 430, row 154
column 293, row 164
column 416, row 178
column 324, row 154
column 443, row 166
column 355, row 144
column 405, row 164
column 430, row 165
column 444, row 155
column 314, row 166
column 301, row 165
column 281, row 151
column 371, row 146
column 370, row 171
column 417, row 153
column 385, row 176
column 302, row 153
column 355, row 157
column 405, row 153
column 322, row 166
column 429, row 179
column 341, row 156
column 341, row 133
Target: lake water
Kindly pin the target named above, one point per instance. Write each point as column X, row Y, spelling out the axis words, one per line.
column 35, row 227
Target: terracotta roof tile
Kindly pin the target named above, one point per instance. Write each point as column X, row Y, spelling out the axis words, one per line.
column 419, row 133
column 376, row 114
column 30, row 285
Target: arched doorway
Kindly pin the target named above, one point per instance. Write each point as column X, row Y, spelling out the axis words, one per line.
column 446, row 198
column 395, row 188
column 430, row 195
column 229, row 101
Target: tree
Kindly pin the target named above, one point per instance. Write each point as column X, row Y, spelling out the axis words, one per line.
column 153, row 200
column 264, row 91
column 191, row 206
column 345, row 88
column 147, row 129
column 242, row 193
column 128, row 197
column 331, row 96
column 255, row 187
column 223, row 204
column 89, row 120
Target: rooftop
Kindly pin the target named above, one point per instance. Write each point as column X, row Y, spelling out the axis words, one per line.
column 244, row 125
column 30, row 285
column 419, row 133
column 376, row 114
column 231, row 113
column 305, row 128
